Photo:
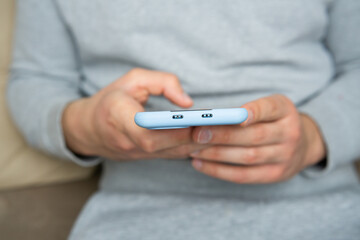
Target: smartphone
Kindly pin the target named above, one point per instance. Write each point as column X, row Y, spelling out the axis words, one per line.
column 189, row 118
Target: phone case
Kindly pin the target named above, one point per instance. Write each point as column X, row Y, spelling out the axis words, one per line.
column 188, row 118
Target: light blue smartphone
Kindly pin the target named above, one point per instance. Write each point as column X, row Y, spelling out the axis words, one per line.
column 190, row 118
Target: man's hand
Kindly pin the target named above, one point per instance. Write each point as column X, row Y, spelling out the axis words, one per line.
column 103, row 125
column 273, row 144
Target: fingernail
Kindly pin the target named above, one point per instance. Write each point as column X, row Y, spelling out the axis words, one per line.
column 195, row 154
column 198, row 164
column 249, row 118
column 186, row 97
column 205, row 136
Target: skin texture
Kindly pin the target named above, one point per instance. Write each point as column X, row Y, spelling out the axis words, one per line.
column 273, row 144
column 103, row 125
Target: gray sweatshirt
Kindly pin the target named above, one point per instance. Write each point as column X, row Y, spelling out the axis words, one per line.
column 225, row 53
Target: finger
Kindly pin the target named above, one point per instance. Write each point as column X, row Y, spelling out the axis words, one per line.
column 155, row 140
column 149, row 140
column 238, row 155
column 268, row 109
column 179, row 152
column 117, row 142
column 152, row 141
column 253, row 135
column 240, row 174
column 142, row 83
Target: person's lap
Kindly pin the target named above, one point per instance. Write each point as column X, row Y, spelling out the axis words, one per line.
column 124, row 215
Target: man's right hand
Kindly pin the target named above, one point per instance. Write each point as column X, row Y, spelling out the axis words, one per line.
column 103, row 125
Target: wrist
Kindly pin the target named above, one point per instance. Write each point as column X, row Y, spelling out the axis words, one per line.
column 76, row 127
column 316, row 148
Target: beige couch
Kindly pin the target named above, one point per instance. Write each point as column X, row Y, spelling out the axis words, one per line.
column 20, row 165
column 40, row 196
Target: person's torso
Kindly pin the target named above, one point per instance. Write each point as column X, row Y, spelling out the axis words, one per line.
column 225, row 53
column 234, row 50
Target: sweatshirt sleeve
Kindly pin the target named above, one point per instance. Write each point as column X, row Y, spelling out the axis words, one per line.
column 44, row 78
column 336, row 109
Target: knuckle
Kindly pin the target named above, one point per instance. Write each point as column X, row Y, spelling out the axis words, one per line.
column 252, row 155
column 212, row 170
column 125, row 146
column 242, row 177
column 116, row 144
column 119, row 143
column 111, row 118
column 283, row 98
column 112, row 109
column 147, row 144
column 287, row 101
column 134, row 73
column 172, row 78
column 276, row 174
column 108, row 102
